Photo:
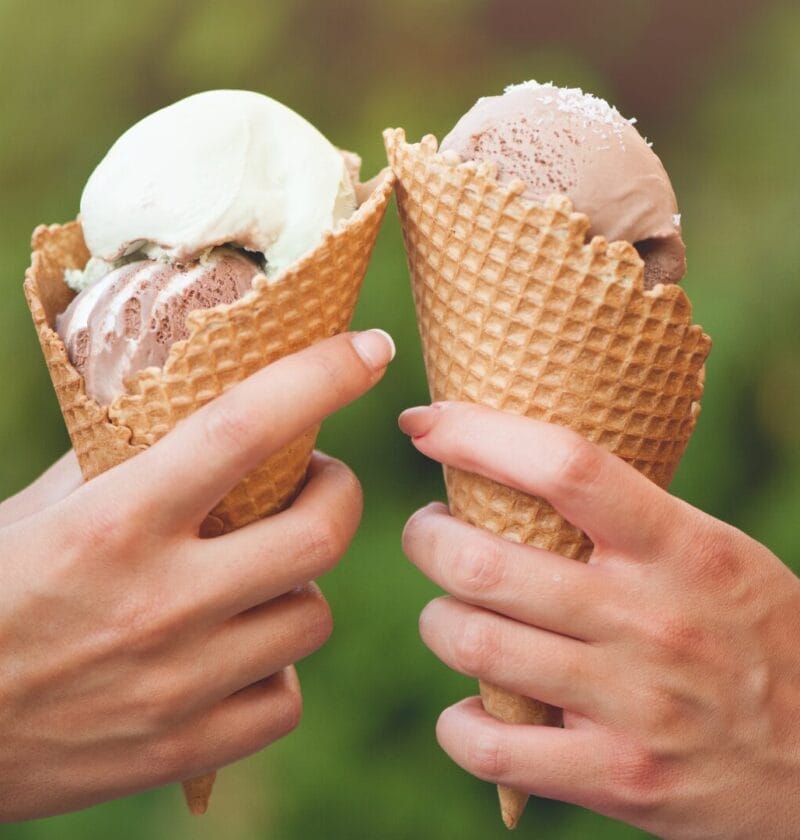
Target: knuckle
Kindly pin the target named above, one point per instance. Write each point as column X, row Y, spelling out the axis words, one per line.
column 413, row 530
column 286, row 712
column 319, row 624
column 675, row 639
column 226, row 427
column 668, row 634
column 293, row 712
column 161, row 705
column 334, row 537
column 98, row 532
column 142, row 621
column 329, row 367
column 349, row 498
column 640, row 781
column 182, row 753
column 325, row 540
column 579, row 465
column 664, row 713
column 718, row 559
column 351, row 490
column 170, row 758
column 487, row 757
column 306, row 618
column 476, row 646
column 679, row 638
column 101, row 534
column 571, row 668
column 131, row 627
column 479, row 569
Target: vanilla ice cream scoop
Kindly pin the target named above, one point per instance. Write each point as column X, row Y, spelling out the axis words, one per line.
column 224, row 166
column 561, row 140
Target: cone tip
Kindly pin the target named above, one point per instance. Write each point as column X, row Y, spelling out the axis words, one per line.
column 512, row 805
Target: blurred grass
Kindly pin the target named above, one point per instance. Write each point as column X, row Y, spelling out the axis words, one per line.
column 365, row 764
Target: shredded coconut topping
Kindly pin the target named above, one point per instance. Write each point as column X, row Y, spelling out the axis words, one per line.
column 574, row 101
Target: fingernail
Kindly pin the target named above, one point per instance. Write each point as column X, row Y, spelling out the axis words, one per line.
column 418, row 421
column 376, row 348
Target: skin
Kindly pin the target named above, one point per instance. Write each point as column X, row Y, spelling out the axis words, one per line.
column 673, row 651
column 135, row 653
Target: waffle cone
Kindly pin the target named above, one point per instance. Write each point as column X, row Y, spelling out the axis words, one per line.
column 197, row 792
column 518, row 311
column 312, row 300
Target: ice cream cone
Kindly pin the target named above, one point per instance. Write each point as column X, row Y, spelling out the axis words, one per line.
column 517, row 311
column 197, row 792
column 313, row 299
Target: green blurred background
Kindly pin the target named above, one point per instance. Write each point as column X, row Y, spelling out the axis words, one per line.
column 714, row 84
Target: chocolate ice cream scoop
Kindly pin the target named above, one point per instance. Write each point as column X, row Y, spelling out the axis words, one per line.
column 561, row 140
column 130, row 318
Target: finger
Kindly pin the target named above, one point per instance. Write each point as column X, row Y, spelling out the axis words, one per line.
column 238, row 726
column 525, row 660
column 524, row 583
column 226, row 575
column 253, row 646
column 573, row 765
column 597, row 492
column 61, row 479
column 239, row 430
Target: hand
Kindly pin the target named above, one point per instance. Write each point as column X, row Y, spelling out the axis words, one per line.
column 674, row 652
column 133, row 652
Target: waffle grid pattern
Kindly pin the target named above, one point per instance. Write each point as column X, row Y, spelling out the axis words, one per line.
column 517, row 311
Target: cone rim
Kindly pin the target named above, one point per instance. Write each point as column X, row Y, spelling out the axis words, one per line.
column 486, row 173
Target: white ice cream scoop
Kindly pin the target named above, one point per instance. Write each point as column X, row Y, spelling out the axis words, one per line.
column 224, row 166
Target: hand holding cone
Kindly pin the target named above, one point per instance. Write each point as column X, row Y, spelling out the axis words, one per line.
column 313, row 299
column 517, row 311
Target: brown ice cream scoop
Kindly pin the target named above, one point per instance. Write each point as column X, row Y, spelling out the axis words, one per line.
column 561, row 140
column 129, row 319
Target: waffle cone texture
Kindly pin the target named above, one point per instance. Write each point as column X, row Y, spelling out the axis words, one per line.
column 313, row 299
column 518, row 311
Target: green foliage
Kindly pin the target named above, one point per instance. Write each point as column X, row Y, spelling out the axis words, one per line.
column 365, row 764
